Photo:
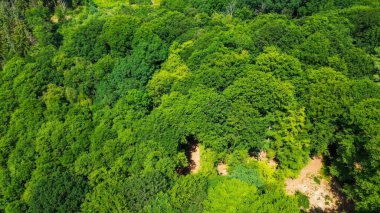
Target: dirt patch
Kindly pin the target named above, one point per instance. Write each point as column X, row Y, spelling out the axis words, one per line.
column 310, row 183
column 193, row 155
column 263, row 156
column 222, row 169
column 195, row 162
column 359, row 167
column 272, row 163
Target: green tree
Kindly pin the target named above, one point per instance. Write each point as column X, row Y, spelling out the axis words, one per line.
column 59, row 191
column 188, row 193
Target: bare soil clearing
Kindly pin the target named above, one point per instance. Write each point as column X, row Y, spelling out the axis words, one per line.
column 195, row 162
column 222, row 169
column 310, row 183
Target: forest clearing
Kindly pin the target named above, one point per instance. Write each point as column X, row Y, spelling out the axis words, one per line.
column 311, row 183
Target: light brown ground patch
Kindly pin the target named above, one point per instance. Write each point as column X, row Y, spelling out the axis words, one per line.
column 318, row 189
column 358, row 166
column 195, row 162
column 263, row 156
column 222, row 169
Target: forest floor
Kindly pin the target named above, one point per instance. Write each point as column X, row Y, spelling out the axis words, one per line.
column 195, row 159
column 322, row 196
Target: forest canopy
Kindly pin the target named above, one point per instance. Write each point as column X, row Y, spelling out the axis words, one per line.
column 101, row 101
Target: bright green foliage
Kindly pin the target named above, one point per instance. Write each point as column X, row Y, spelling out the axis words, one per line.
column 303, row 200
column 239, row 196
column 160, row 204
column 84, row 41
column 130, row 194
column 289, row 140
column 314, row 50
column 363, row 89
column 262, row 91
column 276, row 30
column 248, row 175
column 236, row 195
column 118, row 32
column 360, row 64
column 173, row 70
column 255, row 101
column 36, row 19
column 365, row 121
column 103, row 101
column 110, row 3
column 283, row 66
column 188, row 194
column 366, row 23
column 326, row 100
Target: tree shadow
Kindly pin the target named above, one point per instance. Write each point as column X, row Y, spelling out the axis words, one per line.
column 189, row 147
column 317, row 210
column 344, row 205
